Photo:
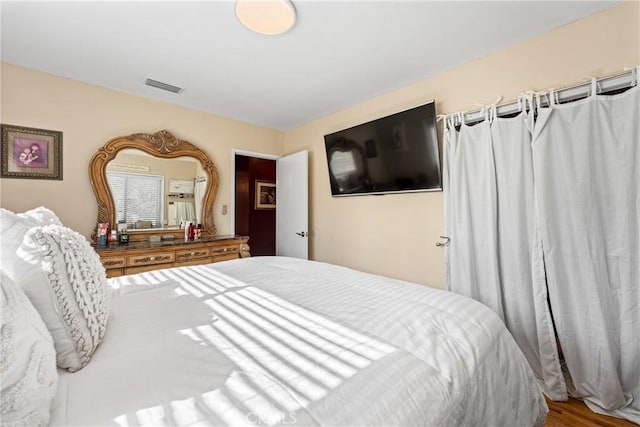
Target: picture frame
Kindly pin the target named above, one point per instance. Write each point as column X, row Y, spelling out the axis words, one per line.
column 30, row 153
column 265, row 195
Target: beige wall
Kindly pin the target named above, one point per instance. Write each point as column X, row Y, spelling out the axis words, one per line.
column 395, row 235
column 89, row 116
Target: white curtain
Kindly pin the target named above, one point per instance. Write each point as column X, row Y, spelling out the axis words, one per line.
column 493, row 255
column 587, row 168
column 185, row 212
column 472, row 188
column 198, row 194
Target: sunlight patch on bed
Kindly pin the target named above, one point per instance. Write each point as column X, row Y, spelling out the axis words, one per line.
column 335, row 332
column 252, row 368
column 244, row 351
column 276, row 348
column 252, row 398
column 211, row 282
column 184, row 412
column 153, row 416
column 286, row 355
column 152, row 280
column 205, row 281
column 198, row 281
column 286, row 322
column 220, row 404
column 286, row 332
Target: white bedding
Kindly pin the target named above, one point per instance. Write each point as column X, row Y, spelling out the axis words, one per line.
column 274, row 340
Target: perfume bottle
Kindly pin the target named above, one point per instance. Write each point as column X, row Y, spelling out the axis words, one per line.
column 103, row 236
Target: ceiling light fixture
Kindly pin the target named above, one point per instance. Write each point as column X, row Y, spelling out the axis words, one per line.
column 269, row 17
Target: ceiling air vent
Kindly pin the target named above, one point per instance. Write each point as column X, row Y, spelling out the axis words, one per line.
column 163, row 86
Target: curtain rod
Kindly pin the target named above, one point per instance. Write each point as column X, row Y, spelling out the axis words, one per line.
column 618, row 81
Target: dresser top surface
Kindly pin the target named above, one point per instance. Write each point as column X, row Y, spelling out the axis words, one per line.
column 173, row 243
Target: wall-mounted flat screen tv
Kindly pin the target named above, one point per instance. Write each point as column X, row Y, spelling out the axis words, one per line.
column 397, row 153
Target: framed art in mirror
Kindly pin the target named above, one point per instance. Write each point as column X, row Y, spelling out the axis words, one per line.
column 31, row 153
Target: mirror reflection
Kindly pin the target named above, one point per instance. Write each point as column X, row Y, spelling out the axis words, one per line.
column 348, row 170
column 150, row 192
column 347, row 166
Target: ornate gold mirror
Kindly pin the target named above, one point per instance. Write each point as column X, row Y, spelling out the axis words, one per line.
column 150, row 183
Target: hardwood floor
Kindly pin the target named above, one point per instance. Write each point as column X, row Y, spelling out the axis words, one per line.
column 574, row 413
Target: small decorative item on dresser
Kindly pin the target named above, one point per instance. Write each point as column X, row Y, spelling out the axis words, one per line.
column 124, row 237
column 103, row 231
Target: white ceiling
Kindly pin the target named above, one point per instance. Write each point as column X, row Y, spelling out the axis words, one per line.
column 338, row 54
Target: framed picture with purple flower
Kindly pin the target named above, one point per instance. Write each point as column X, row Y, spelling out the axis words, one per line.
column 31, row 153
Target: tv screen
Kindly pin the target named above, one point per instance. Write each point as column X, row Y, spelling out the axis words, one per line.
column 397, row 153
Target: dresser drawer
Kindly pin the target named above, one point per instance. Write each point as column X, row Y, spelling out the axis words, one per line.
column 115, row 272
column 113, row 262
column 189, row 254
column 156, row 258
column 226, row 257
column 224, row 250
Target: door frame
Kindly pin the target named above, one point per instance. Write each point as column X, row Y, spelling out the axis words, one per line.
column 232, row 199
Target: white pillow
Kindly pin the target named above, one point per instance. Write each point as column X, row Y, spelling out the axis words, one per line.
column 41, row 216
column 14, row 226
column 27, row 360
column 66, row 282
column 34, row 217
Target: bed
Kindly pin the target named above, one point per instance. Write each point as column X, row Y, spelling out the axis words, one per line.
column 281, row 341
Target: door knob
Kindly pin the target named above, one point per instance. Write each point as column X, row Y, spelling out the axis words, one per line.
column 302, row 234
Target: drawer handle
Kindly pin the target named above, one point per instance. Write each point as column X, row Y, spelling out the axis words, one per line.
column 110, row 263
column 155, row 258
column 222, row 250
column 194, row 253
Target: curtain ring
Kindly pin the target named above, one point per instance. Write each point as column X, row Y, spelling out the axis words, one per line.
column 445, row 243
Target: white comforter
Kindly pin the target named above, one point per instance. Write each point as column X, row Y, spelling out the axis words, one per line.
column 281, row 341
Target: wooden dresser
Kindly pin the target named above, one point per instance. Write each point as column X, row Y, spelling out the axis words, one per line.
column 137, row 257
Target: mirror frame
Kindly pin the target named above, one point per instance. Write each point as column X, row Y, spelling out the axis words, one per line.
column 161, row 144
